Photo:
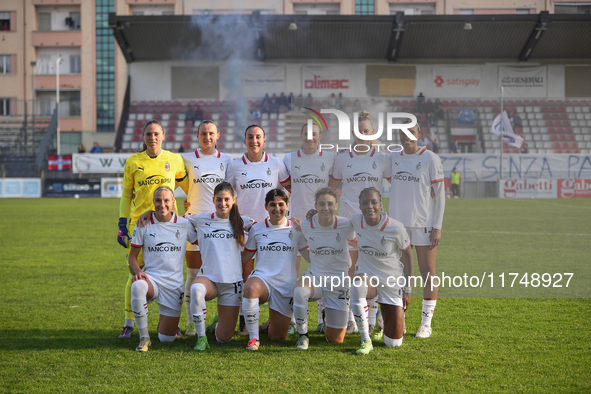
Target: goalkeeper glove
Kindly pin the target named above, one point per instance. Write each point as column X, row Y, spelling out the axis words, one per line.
column 123, row 233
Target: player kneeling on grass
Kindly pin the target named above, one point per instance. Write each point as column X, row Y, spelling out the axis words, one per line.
column 221, row 235
column 163, row 242
column 327, row 236
column 381, row 242
column 276, row 244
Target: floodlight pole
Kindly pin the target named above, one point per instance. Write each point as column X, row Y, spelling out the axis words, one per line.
column 57, row 98
column 501, row 135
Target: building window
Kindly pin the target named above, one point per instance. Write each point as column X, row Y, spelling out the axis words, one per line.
column 4, row 106
column 5, row 21
column 73, row 21
column 44, row 21
column 105, row 67
column 4, row 64
column 364, row 7
column 572, row 8
column 412, row 9
column 317, row 9
column 70, row 103
column 467, row 11
column 75, row 64
column 522, row 11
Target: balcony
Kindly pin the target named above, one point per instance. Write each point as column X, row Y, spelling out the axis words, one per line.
column 67, row 81
column 69, row 38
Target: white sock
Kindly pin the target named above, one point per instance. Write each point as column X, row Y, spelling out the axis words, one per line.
column 428, row 309
column 191, row 275
column 129, row 323
column 300, row 308
column 198, row 308
column 372, row 311
column 139, row 306
column 320, row 309
column 392, row 342
column 359, row 308
column 351, row 317
column 293, row 320
column 251, row 309
column 166, row 338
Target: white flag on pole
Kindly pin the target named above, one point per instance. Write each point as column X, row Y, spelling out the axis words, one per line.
column 509, row 137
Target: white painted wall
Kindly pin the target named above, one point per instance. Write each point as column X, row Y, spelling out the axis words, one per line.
column 556, row 80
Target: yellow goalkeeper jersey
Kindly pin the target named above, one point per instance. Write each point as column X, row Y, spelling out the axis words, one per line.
column 144, row 175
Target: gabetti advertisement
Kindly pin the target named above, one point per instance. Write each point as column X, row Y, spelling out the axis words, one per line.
column 456, row 81
column 545, row 188
column 574, row 188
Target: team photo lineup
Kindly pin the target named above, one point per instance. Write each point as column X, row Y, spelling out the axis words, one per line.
column 260, row 208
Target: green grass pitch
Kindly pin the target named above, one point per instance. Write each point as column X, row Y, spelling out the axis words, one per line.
column 62, row 276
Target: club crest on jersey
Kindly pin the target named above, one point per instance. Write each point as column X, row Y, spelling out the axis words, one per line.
column 290, row 235
column 178, row 234
column 322, row 167
column 374, row 165
column 419, row 166
column 339, row 237
column 167, row 167
column 222, row 166
column 383, row 241
column 268, row 171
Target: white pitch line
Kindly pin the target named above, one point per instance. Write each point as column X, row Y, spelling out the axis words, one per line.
column 511, row 233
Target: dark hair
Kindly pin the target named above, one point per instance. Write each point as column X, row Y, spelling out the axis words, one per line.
column 418, row 125
column 148, row 123
column 235, row 218
column 370, row 189
column 323, row 191
column 207, row 121
column 253, row 126
column 276, row 193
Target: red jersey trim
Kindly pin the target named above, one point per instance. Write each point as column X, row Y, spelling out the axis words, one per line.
column 373, row 150
column 312, row 222
column 266, row 157
column 362, row 222
column 267, row 222
column 385, row 223
column 244, row 160
column 197, row 154
column 351, row 154
column 250, row 250
column 336, row 179
column 409, row 245
column 219, row 155
column 437, row 180
column 136, row 246
column 213, row 215
column 304, row 248
column 286, row 179
column 299, row 154
column 422, row 150
column 335, row 222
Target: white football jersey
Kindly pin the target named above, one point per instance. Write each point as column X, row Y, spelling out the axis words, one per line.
column 308, row 174
column 357, row 173
column 380, row 246
column 252, row 181
column 205, row 172
column 410, row 194
column 329, row 250
column 220, row 252
column 276, row 249
column 163, row 245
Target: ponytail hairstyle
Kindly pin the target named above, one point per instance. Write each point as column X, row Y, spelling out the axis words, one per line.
column 370, row 189
column 235, row 218
column 208, row 121
column 148, row 123
column 252, row 126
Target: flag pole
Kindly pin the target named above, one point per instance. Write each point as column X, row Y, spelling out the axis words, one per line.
column 501, row 135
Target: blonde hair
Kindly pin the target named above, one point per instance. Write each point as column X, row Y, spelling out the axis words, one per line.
column 363, row 116
column 164, row 188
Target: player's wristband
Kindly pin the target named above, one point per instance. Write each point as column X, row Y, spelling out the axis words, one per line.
column 406, row 290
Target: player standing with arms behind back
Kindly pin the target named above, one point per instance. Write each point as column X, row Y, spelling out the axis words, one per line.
column 144, row 172
column 206, row 168
column 417, row 176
